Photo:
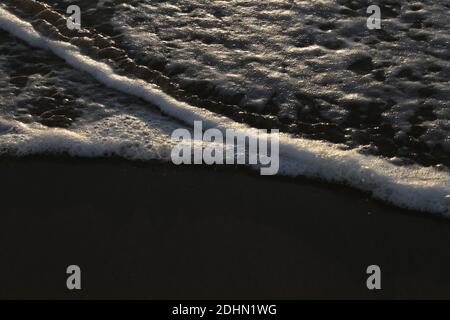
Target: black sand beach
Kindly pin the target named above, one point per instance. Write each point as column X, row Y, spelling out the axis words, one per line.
column 159, row 231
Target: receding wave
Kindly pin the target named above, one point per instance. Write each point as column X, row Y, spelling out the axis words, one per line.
column 414, row 187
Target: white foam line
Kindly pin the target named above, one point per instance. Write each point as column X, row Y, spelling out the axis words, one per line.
column 411, row 187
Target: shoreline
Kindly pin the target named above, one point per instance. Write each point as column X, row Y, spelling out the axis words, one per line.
column 400, row 185
column 155, row 231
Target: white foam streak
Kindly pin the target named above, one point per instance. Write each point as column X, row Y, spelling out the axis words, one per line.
column 412, row 187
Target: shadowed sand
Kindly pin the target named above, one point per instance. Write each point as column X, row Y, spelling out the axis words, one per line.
column 160, row 231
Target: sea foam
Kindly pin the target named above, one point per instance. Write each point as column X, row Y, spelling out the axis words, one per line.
column 413, row 187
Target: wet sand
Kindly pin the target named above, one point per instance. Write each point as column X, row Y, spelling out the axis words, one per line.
column 160, row 231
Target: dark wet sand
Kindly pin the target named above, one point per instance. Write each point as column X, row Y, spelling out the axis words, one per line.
column 160, row 231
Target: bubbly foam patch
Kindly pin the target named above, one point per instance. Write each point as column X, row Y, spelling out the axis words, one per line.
column 312, row 62
column 412, row 187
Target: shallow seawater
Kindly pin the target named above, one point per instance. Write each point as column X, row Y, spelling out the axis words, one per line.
column 309, row 68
